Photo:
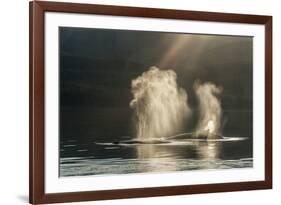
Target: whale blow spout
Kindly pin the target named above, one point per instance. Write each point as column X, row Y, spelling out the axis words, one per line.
column 210, row 111
column 159, row 104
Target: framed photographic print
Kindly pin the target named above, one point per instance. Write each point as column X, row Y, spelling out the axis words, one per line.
column 139, row 102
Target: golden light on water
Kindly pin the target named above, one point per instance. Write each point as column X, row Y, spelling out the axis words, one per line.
column 209, row 150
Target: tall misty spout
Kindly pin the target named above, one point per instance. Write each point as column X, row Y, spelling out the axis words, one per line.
column 210, row 112
column 159, row 104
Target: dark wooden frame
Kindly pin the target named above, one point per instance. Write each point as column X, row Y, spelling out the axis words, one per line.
column 37, row 194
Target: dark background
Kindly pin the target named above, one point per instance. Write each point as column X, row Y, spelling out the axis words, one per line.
column 97, row 66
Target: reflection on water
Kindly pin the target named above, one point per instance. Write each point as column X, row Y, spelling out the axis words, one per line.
column 208, row 150
column 174, row 155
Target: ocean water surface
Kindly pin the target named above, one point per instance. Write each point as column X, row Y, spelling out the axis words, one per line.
column 127, row 156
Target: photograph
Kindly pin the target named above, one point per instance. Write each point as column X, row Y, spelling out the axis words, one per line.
column 127, row 102
column 136, row 102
